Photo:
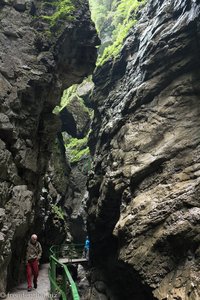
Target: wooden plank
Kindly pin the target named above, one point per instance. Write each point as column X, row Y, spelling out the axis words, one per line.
column 72, row 260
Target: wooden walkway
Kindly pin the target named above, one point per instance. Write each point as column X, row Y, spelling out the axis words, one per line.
column 73, row 260
column 41, row 293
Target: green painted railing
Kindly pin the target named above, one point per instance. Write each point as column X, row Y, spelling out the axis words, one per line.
column 63, row 284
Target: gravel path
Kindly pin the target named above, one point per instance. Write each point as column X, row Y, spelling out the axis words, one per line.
column 42, row 292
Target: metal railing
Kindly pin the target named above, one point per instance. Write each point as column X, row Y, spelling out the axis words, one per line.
column 62, row 285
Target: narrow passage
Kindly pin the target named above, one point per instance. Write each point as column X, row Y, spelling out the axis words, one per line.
column 42, row 291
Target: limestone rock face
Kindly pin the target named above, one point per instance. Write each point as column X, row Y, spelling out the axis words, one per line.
column 60, row 214
column 75, row 199
column 144, row 207
column 51, row 222
column 84, row 91
column 75, row 118
column 36, row 63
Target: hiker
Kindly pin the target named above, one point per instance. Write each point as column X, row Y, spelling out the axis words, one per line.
column 33, row 255
column 86, row 248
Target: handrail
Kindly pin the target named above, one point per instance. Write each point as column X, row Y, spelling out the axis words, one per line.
column 67, row 278
column 56, row 287
column 68, row 284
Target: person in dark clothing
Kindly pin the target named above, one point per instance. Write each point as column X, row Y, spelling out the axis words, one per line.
column 33, row 255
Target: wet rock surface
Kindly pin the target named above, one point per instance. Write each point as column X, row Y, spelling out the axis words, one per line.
column 60, row 215
column 75, row 118
column 51, row 222
column 144, row 188
column 75, row 200
column 36, row 64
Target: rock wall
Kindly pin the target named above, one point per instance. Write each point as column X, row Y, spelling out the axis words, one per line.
column 75, row 199
column 36, row 63
column 60, row 214
column 144, row 209
column 51, row 221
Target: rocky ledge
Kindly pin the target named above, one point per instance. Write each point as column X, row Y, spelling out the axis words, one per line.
column 38, row 59
column 144, row 207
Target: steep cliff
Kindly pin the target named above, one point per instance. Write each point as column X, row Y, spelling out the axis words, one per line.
column 51, row 222
column 144, row 209
column 43, row 50
column 60, row 215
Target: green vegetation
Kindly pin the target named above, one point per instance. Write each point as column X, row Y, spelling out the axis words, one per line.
column 64, row 10
column 114, row 49
column 67, row 96
column 58, row 211
column 76, row 148
column 121, row 15
column 67, row 100
column 100, row 11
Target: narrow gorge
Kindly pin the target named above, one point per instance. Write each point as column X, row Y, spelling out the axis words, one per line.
column 100, row 136
column 42, row 53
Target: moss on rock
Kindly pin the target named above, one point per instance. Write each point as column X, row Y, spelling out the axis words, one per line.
column 63, row 10
column 57, row 210
column 77, row 148
column 120, row 16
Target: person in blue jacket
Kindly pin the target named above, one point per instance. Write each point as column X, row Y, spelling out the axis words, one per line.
column 86, row 248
